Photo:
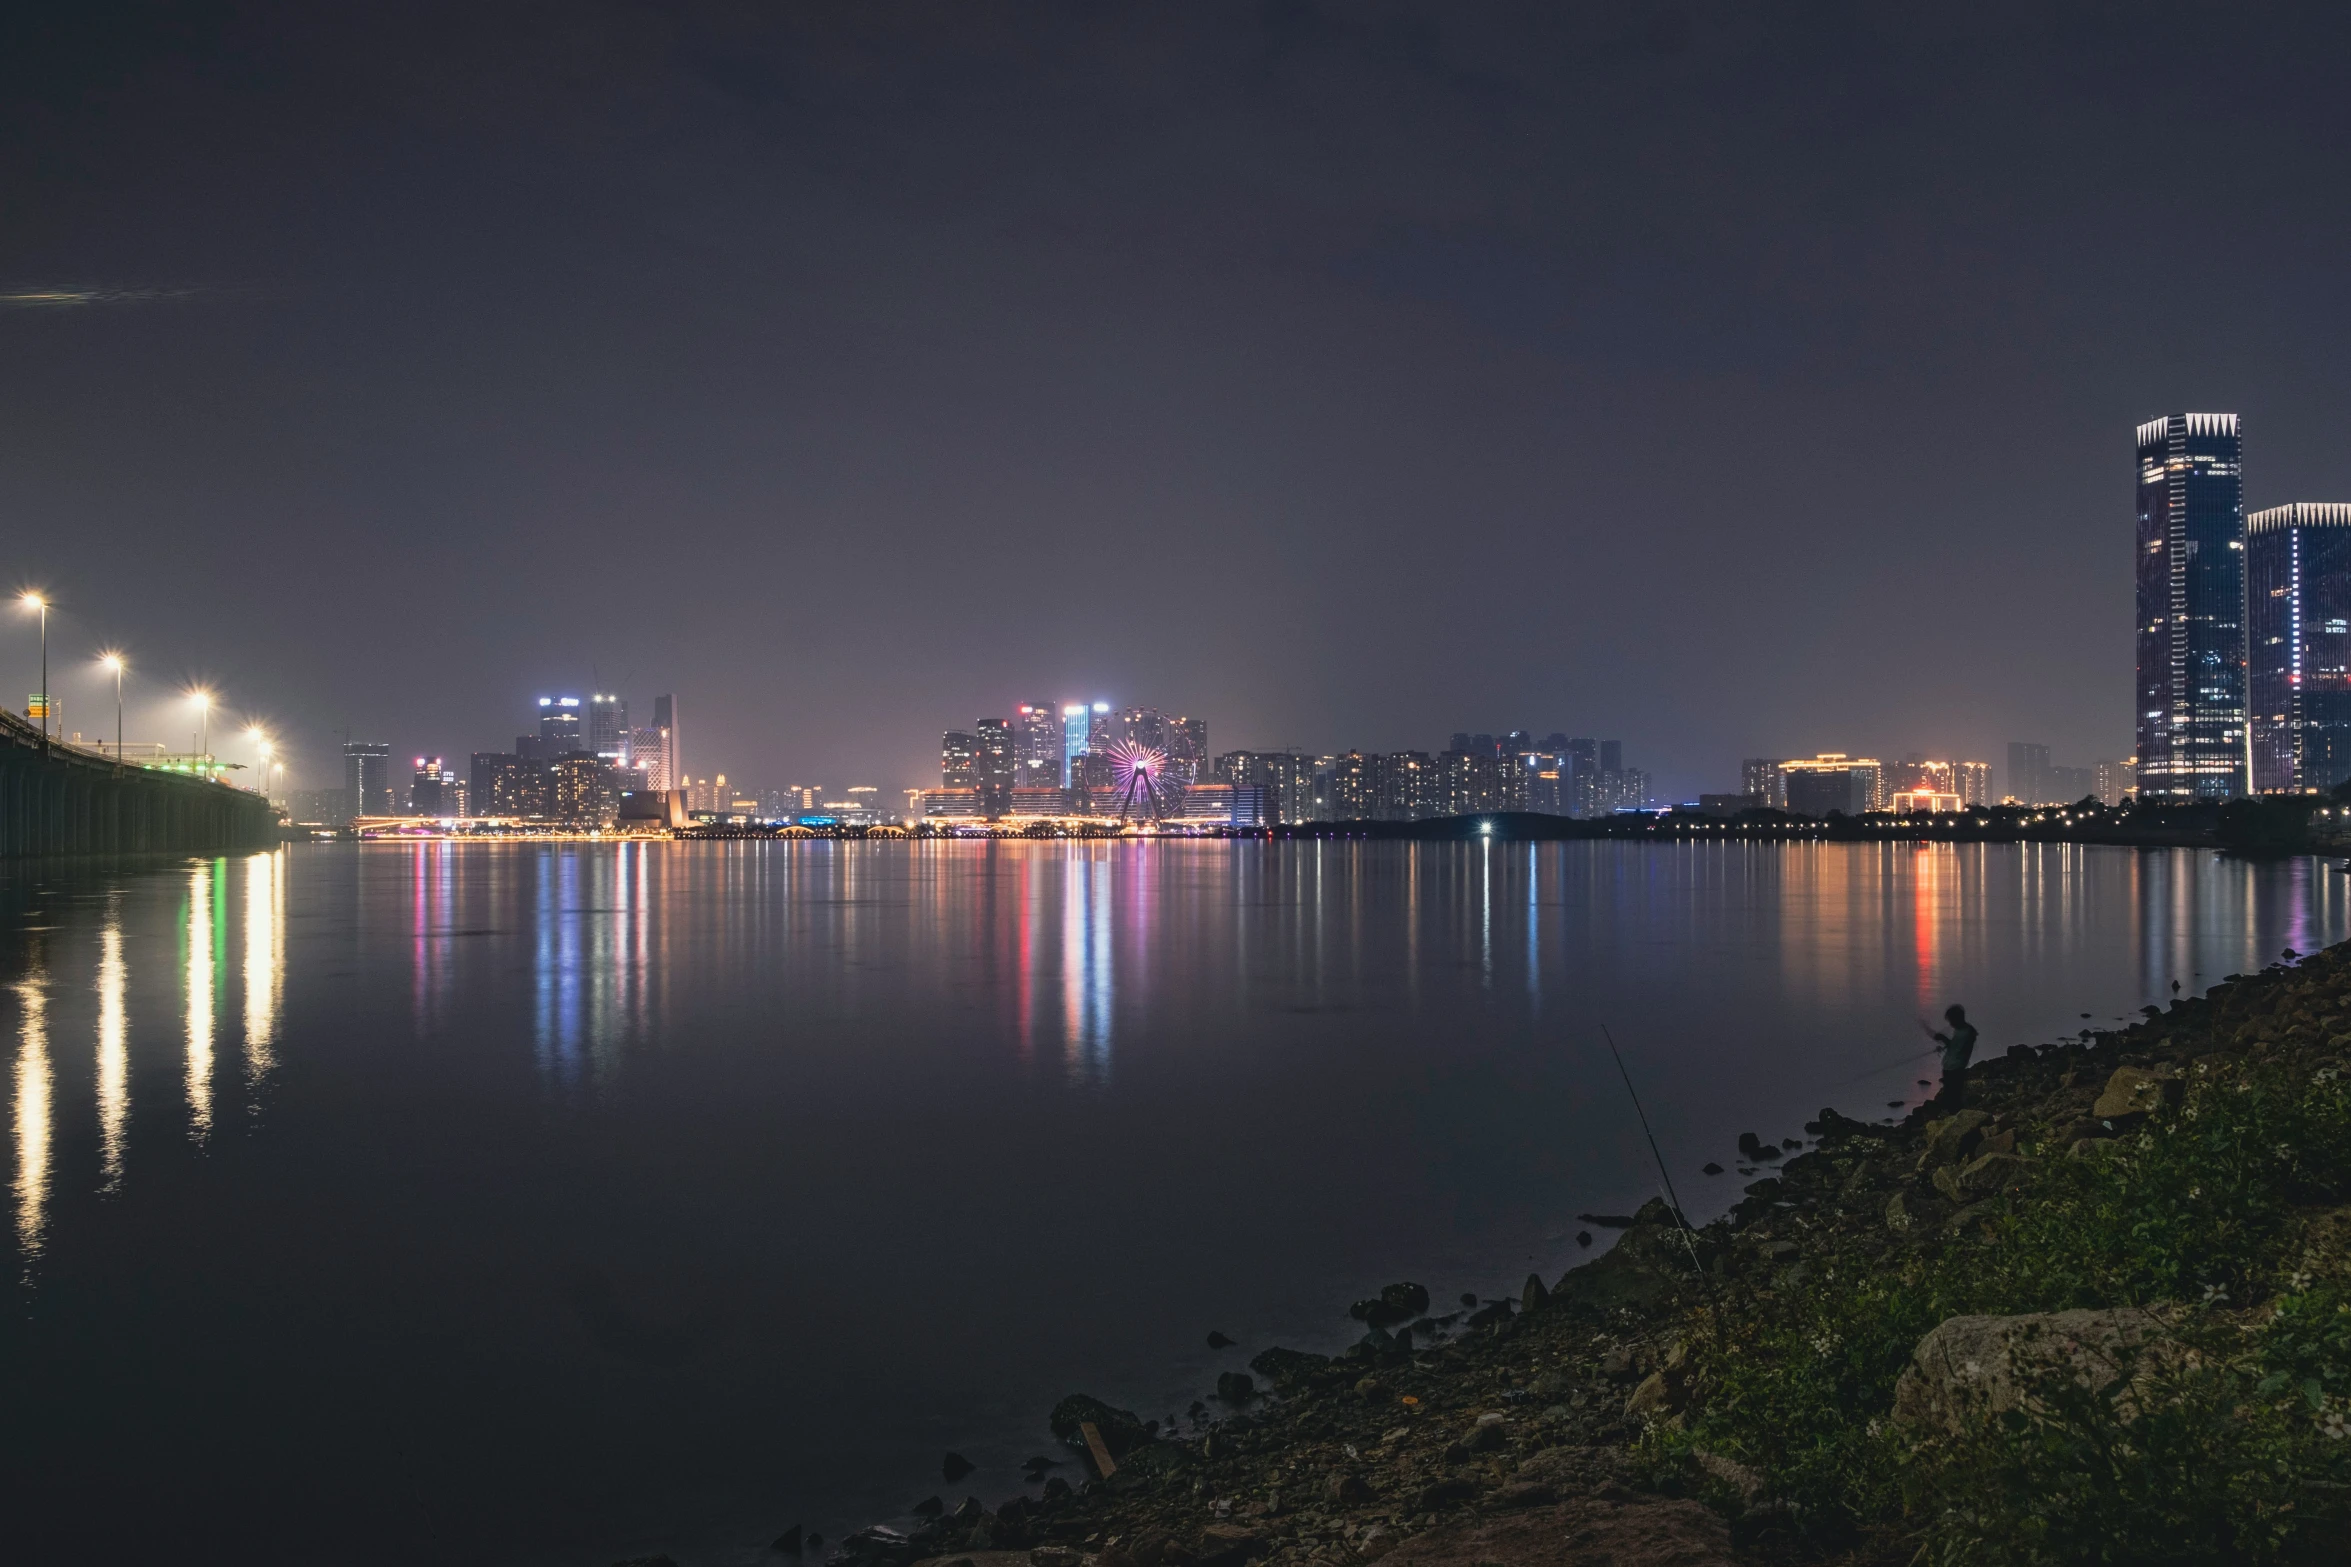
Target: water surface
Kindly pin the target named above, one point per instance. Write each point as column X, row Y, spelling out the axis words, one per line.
column 533, row 1203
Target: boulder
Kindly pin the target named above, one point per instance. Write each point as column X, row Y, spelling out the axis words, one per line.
column 1534, row 1294
column 1235, row 1387
column 1286, row 1368
column 1349, row 1491
column 2136, row 1090
column 1971, row 1367
column 1955, row 1135
column 1121, row 1429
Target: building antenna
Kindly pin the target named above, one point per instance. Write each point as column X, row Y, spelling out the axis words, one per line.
column 1681, row 1220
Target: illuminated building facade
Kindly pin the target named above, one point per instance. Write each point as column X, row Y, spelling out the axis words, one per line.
column 1355, row 787
column 608, row 727
column 2191, row 608
column 1832, row 781
column 1761, row 777
column 2298, row 607
column 1925, row 798
column 2112, row 781
column 959, row 760
column 1411, row 787
column 1187, row 749
column 559, row 726
column 1077, row 721
column 1467, row 777
column 505, row 784
column 433, row 790
column 1972, row 782
column 367, row 777
column 1286, row 777
column 1038, row 760
column 997, row 766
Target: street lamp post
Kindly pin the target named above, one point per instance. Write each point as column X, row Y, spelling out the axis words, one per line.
column 38, row 602
column 114, row 661
column 203, row 701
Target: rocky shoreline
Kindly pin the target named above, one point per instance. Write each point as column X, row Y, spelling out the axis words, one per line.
column 1791, row 1382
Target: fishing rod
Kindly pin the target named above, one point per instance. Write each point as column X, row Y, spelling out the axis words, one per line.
column 1681, row 1219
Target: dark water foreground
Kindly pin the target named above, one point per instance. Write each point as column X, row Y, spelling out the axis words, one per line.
column 511, row 1203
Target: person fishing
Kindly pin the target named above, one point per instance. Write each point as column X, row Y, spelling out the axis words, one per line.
column 1958, row 1046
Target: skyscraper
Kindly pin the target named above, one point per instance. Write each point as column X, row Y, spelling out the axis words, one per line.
column 1037, row 749
column 998, row 766
column 2298, row 608
column 608, row 727
column 431, row 792
column 665, row 719
column 1077, row 721
column 2191, row 610
column 959, row 760
column 559, row 726
column 367, row 777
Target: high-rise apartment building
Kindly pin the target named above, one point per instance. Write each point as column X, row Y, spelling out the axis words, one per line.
column 2191, row 608
column 1833, row 781
column 1466, row 778
column 505, row 784
column 1286, row 778
column 998, row 766
column 1761, row 777
column 1355, row 787
column 1972, row 782
column 1187, row 749
column 367, row 777
column 1411, row 787
column 1037, row 754
column 2028, row 773
column 2298, row 609
column 2112, row 780
column 673, row 756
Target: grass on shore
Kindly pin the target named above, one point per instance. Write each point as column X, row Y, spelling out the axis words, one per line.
column 2235, row 1451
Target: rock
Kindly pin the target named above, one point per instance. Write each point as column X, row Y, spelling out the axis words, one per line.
column 968, row 1511
column 1971, row 1367
column 1655, row 1211
column 1349, row 1491
column 1121, row 1429
column 1525, row 1493
column 1451, row 1491
column 2135, row 1090
column 1486, row 1316
column 1606, row 1221
column 1586, row 1532
column 1617, row 1362
column 1408, row 1298
column 1219, row 1341
column 1469, row 1300
column 1747, row 1482
column 928, row 1507
column 1831, row 1126
column 1654, row 1397
column 1487, row 1439
column 1902, row 1212
column 1750, row 1147
column 1287, row 1368
column 1954, row 1135
column 1055, row 1489
column 1229, row 1545
column 1235, row 1387
column 1711, row 1168
column 1054, row 1556
column 1583, row 1237
column 878, row 1545
column 955, row 1466
column 787, row 1543
column 1991, row 1172
column 1534, row 1293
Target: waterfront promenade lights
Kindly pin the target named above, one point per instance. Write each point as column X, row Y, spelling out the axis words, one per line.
column 37, row 602
column 115, row 664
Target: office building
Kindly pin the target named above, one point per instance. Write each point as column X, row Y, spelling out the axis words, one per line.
column 608, row 728
column 1832, row 781
column 367, row 777
column 2112, row 782
column 2191, row 608
column 1093, row 784
column 1077, row 721
column 578, row 792
column 951, row 804
column 959, row 760
column 997, row 765
column 649, row 758
column 665, row 720
column 2298, row 602
column 432, row 792
column 1038, row 760
column 560, row 731
column 1039, row 800
column 2028, row 773
column 1925, row 799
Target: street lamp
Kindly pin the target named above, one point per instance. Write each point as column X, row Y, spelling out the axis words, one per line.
column 115, row 663
column 203, row 701
column 35, row 601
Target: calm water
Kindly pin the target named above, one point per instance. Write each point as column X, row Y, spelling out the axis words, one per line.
column 529, row 1204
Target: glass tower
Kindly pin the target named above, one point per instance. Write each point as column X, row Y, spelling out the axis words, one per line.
column 2191, row 609
column 2298, row 611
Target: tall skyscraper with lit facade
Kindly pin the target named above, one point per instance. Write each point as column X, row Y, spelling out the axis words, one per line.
column 2191, row 608
column 1077, row 727
column 2298, row 612
column 1037, row 754
column 608, row 727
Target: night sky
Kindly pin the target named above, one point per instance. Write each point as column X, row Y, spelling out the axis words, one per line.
column 1733, row 384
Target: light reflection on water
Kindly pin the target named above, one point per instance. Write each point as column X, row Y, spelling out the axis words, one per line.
column 742, row 1099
